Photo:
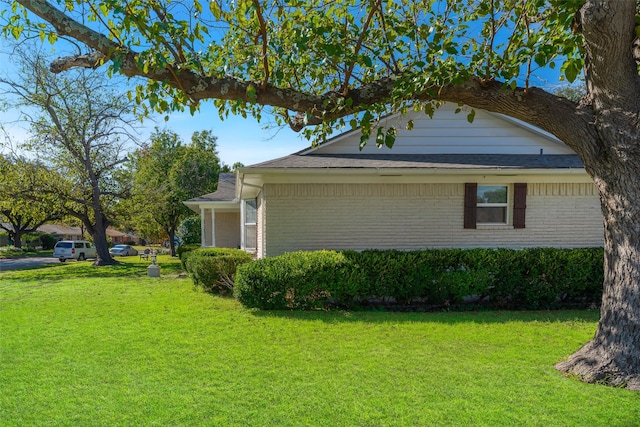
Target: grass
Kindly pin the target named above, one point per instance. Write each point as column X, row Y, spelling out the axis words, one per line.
column 109, row 346
column 13, row 252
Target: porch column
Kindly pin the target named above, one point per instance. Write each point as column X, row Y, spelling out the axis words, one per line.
column 203, row 218
column 213, row 228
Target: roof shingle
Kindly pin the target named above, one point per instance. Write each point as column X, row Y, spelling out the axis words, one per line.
column 425, row 161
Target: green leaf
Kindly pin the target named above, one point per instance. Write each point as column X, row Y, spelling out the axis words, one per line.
column 390, row 137
column 471, row 116
column 571, row 72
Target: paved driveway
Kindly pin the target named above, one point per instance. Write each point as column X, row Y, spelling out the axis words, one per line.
column 18, row 263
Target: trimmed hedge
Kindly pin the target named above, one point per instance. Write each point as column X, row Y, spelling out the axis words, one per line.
column 540, row 278
column 183, row 251
column 214, row 269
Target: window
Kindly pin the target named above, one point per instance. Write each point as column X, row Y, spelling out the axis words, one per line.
column 489, row 204
column 250, row 236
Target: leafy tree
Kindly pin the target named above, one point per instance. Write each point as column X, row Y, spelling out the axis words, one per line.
column 320, row 66
column 167, row 172
column 190, row 231
column 20, row 214
column 80, row 127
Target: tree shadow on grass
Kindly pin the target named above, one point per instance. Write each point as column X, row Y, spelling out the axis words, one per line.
column 449, row 317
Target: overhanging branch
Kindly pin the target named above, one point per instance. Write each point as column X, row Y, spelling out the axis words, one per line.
column 554, row 114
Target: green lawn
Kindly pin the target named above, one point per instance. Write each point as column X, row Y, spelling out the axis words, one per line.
column 86, row 346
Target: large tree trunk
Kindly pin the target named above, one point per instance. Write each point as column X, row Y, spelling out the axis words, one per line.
column 102, row 249
column 613, row 356
column 98, row 232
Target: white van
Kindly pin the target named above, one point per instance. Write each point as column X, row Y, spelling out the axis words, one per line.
column 74, row 249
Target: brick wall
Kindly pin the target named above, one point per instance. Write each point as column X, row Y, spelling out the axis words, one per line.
column 415, row 216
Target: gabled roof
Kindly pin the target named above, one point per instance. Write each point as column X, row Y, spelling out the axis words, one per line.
column 226, row 191
column 61, row 230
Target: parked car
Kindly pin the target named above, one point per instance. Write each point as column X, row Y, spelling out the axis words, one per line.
column 123, row 250
column 74, row 249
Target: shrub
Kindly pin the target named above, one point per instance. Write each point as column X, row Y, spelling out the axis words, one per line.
column 183, row 251
column 47, row 241
column 539, row 278
column 300, row 280
column 214, row 269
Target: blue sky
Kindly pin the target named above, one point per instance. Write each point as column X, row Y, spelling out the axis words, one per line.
column 239, row 139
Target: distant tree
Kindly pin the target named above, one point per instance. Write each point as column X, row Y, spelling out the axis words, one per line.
column 575, row 92
column 232, row 168
column 80, row 127
column 167, row 172
column 19, row 213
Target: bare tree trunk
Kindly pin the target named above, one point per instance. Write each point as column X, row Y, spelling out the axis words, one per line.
column 172, row 245
column 98, row 232
column 103, row 256
column 16, row 236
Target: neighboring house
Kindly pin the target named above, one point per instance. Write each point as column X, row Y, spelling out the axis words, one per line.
column 119, row 237
column 62, row 232
column 496, row 182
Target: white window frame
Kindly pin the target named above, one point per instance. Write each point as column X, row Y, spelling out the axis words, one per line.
column 243, row 234
column 504, row 205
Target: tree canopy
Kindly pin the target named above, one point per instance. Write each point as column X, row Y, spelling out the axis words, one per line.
column 21, row 213
column 320, row 66
column 167, row 172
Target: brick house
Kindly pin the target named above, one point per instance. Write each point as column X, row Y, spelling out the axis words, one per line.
column 495, row 182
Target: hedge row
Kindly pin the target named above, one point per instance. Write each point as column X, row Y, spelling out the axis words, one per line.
column 541, row 278
column 214, row 269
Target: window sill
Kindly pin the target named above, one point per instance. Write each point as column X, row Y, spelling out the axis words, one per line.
column 494, row 227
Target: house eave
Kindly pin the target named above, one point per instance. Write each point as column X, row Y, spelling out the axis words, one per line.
column 253, row 180
column 412, row 171
column 197, row 205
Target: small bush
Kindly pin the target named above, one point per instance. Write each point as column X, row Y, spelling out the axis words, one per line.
column 214, row 269
column 183, row 251
column 540, row 278
column 47, row 241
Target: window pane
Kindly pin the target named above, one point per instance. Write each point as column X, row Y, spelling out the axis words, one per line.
column 250, row 213
column 491, row 215
column 250, row 237
column 492, row 194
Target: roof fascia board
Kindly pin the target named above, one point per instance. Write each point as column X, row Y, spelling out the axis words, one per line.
column 434, row 177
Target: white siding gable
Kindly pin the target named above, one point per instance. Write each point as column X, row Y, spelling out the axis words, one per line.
column 451, row 133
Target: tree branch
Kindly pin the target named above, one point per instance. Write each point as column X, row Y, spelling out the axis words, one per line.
column 263, row 35
column 554, row 114
column 363, row 32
